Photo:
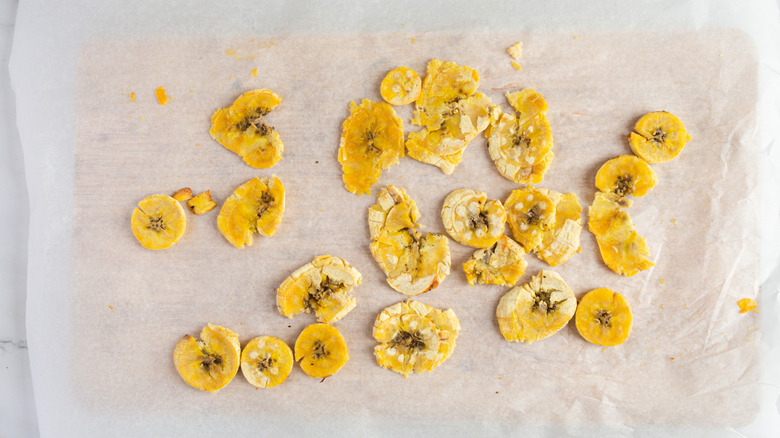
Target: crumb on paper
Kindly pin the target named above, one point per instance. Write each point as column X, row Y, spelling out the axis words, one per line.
column 132, row 97
column 254, row 72
column 111, row 307
column 516, row 65
column 671, row 358
column 747, row 304
column 414, row 40
column 162, row 98
column 674, row 221
column 662, row 281
column 576, row 37
column 516, row 51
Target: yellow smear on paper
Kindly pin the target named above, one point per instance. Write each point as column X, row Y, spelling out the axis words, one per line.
column 746, row 305
column 162, row 98
column 254, row 72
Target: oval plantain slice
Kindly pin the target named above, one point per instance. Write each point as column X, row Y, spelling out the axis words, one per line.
column 321, row 350
column 266, row 361
column 401, row 86
column 625, row 175
column 158, row 222
column 257, row 206
column 242, row 128
column 210, row 363
column 603, row 317
column 502, row 263
column 521, row 144
column 414, row 337
column 372, row 139
column 322, row 286
column 625, row 251
column 537, row 309
column 470, row 219
column 660, row 136
column 530, row 214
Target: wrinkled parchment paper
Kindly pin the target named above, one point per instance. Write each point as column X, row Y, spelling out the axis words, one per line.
column 101, row 340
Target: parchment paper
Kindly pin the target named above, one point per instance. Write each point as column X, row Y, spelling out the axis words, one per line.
column 692, row 363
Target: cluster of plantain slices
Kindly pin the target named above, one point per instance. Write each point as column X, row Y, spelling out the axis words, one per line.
column 256, row 206
column 540, row 308
column 659, row 137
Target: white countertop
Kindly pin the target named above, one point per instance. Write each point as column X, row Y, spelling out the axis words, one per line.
column 17, row 405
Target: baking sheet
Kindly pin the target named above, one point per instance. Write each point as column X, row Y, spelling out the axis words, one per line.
column 692, row 361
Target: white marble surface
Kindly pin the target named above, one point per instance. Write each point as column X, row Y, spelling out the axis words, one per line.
column 17, row 405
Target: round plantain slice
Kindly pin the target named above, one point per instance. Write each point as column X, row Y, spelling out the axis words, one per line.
column 471, row 219
column 625, row 175
column 242, row 128
column 660, row 136
column 401, row 86
column 530, row 214
column 257, row 206
column 158, row 222
column 266, row 361
column 210, row 363
column 321, row 350
column 414, row 337
column 603, row 317
column 537, row 309
column 322, row 286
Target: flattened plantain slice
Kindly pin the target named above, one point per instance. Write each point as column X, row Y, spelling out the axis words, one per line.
column 257, row 206
column 625, row 175
column 401, row 86
column 414, row 263
column 471, row 219
column 158, row 222
column 537, row 309
column 530, row 214
column 521, row 144
column 372, row 139
column 502, row 264
column 660, row 136
column 452, row 114
column 414, row 337
column 210, row 363
column 242, row 128
column 266, row 361
column 562, row 240
column 603, row 317
column 322, row 286
column 321, row 350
